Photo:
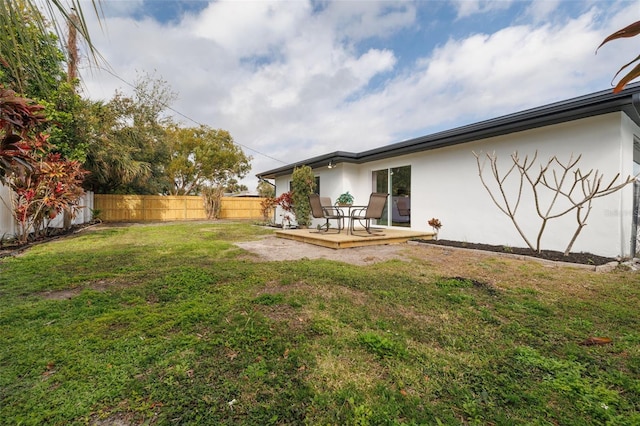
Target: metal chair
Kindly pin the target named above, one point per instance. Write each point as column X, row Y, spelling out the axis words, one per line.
column 364, row 215
column 320, row 210
column 403, row 207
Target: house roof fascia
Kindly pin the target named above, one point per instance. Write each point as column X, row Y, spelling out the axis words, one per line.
column 314, row 163
column 594, row 104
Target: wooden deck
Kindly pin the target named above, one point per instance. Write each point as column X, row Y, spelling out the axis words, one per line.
column 343, row 240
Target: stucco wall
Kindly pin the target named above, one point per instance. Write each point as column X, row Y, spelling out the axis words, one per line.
column 445, row 184
column 333, row 182
column 452, row 191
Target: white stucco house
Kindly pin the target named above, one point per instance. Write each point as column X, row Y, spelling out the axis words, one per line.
column 438, row 174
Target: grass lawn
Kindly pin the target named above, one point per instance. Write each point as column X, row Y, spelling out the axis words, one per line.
column 173, row 324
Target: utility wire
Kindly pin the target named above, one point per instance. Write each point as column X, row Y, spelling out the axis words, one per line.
column 113, row 73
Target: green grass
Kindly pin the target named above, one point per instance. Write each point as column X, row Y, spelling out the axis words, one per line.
column 173, row 324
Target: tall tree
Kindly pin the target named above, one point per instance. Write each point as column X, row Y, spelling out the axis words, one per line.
column 233, row 186
column 129, row 153
column 110, row 160
column 266, row 189
column 203, row 156
column 30, row 60
column 72, row 49
column 47, row 83
column 21, row 47
column 69, row 122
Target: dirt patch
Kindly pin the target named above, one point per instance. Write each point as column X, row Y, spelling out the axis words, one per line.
column 100, row 286
column 272, row 248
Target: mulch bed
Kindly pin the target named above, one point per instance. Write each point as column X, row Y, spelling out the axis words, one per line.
column 557, row 256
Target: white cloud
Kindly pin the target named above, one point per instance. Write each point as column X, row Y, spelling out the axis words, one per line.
column 540, row 10
column 467, row 8
column 359, row 20
column 487, row 75
column 293, row 83
column 251, row 28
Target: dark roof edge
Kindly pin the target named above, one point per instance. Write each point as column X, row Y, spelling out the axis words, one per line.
column 598, row 103
column 314, row 163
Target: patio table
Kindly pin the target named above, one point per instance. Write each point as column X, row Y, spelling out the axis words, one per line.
column 352, row 208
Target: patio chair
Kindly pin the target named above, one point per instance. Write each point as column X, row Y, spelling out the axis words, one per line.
column 321, row 208
column 403, row 207
column 364, row 215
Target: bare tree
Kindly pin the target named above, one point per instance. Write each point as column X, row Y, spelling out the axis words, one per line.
column 557, row 188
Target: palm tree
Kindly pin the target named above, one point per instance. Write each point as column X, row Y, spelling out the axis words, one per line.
column 30, row 60
column 20, row 40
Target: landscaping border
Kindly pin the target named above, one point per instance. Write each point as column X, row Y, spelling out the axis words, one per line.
column 607, row 267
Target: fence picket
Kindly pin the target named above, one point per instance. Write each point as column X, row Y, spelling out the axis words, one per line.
column 157, row 208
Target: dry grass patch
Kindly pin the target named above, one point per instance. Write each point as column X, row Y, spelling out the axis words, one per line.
column 348, row 368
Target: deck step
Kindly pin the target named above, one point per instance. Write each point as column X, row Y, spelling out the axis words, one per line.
column 344, row 240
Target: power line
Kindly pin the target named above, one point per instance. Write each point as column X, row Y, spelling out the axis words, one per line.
column 191, row 119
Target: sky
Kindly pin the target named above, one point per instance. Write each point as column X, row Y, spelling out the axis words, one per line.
column 291, row 80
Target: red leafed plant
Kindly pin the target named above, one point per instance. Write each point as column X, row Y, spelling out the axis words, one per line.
column 18, row 117
column 284, row 200
column 41, row 192
column 43, row 183
column 436, row 225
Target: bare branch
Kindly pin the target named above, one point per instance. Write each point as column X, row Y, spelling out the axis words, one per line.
column 560, row 187
column 506, row 209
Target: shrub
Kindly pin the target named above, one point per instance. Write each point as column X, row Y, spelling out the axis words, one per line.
column 303, row 182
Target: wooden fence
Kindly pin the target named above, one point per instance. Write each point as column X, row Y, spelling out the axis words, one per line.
column 156, row 208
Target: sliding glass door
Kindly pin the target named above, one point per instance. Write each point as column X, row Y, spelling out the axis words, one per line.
column 395, row 181
column 381, row 184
